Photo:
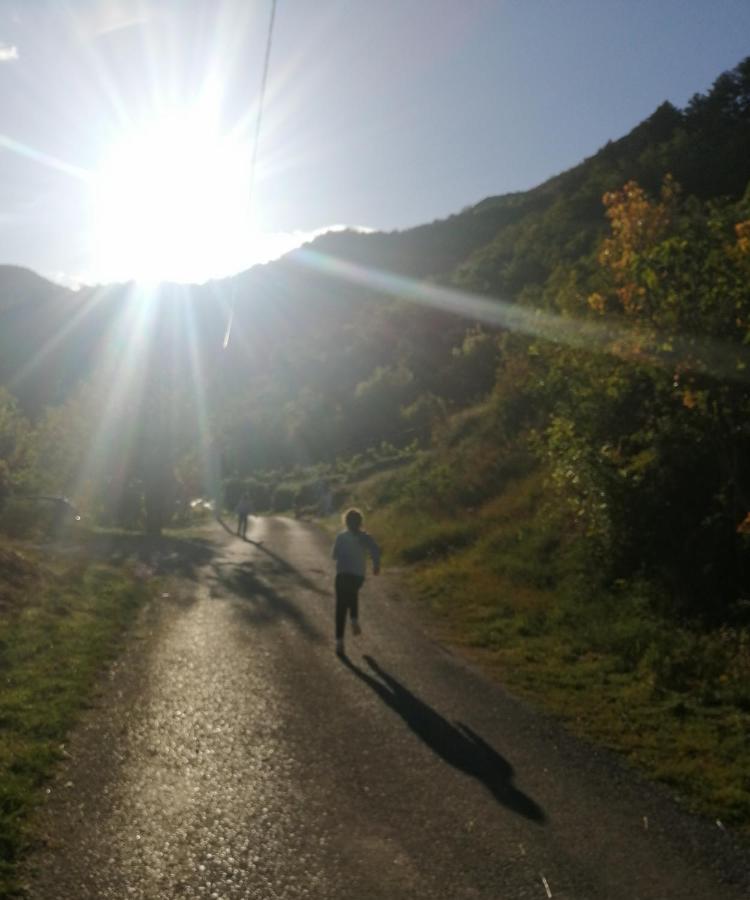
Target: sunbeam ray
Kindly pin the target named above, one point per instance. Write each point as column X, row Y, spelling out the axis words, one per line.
column 37, row 358
column 123, row 375
column 45, row 159
column 207, row 450
column 718, row 360
column 104, row 79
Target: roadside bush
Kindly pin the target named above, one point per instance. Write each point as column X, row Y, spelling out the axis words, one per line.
column 18, row 519
column 620, row 625
column 340, row 498
column 317, row 496
column 441, row 541
column 717, row 664
column 29, row 517
column 283, row 499
column 260, row 496
column 258, row 491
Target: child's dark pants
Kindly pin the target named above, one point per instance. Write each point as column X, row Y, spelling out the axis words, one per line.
column 347, row 600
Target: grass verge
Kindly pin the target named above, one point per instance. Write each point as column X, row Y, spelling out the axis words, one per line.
column 60, row 622
column 500, row 581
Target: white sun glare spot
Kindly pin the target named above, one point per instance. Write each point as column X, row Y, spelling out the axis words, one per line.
column 172, row 203
column 8, row 53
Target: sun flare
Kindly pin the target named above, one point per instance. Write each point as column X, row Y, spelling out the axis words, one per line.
column 172, row 204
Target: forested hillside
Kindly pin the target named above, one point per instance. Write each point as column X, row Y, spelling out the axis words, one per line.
column 620, row 371
column 542, row 402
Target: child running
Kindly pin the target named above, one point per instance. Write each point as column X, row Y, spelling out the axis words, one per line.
column 350, row 551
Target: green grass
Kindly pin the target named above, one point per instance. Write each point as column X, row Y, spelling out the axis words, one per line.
column 505, row 581
column 61, row 623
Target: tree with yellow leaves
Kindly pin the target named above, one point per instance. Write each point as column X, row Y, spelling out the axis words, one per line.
column 654, row 432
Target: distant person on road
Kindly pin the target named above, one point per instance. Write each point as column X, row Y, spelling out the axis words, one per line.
column 244, row 509
column 350, row 550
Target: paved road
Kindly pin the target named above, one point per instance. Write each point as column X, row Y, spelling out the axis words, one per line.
column 231, row 754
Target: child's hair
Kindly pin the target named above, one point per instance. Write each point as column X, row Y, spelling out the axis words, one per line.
column 353, row 519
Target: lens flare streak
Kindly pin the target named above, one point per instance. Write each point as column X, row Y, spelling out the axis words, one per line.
column 688, row 352
column 45, row 159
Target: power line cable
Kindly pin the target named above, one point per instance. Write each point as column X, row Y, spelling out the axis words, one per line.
column 258, row 122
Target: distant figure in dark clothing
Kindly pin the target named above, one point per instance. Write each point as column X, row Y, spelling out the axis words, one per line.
column 350, row 550
column 243, row 511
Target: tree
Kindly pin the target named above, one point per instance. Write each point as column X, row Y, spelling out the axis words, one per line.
column 16, row 450
column 651, row 440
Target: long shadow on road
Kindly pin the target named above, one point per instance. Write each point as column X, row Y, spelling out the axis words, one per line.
column 280, row 566
column 456, row 744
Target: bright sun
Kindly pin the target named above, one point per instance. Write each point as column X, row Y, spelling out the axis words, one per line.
column 172, row 204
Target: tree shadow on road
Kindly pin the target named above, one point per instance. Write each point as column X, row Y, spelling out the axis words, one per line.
column 455, row 743
column 158, row 555
column 262, row 604
column 279, row 566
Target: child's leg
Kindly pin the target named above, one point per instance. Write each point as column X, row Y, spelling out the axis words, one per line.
column 341, row 606
column 354, row 605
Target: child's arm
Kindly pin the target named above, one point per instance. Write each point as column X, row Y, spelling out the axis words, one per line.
column 375, row 554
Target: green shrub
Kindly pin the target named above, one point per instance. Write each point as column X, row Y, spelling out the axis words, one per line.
column 19, row 519
column 441, row 541
column 283, row 499
column 258, row 491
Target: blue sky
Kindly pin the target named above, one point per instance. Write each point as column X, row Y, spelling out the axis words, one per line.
column 381, row 115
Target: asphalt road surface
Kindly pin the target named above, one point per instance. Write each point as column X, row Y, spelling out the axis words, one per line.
column 231, row 754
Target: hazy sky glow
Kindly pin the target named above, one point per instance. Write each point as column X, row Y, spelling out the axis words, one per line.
column 126, row 127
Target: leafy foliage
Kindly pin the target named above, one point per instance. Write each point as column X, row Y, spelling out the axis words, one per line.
column 626, row 385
